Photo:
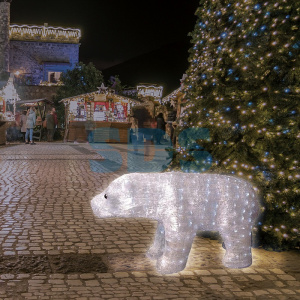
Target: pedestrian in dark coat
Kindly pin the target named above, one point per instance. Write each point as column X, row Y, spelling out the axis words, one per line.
column 161, row 127
column 55, row 121
column 50, row 126
column 23, row 123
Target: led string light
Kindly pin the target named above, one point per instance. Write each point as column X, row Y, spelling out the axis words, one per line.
column 34, row 32
column 254, row 26
column 183, row 204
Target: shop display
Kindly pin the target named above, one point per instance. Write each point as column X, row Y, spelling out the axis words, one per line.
column 106, row 110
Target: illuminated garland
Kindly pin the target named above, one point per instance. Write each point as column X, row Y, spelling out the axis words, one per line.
column 172, row 96
column 91, row 96
column 150, row 90
column 44, row 33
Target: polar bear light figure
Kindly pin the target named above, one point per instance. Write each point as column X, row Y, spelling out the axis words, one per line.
column 184, row 203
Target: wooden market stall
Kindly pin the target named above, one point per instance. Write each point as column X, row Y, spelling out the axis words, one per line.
column 175, row 101
column 105, row 110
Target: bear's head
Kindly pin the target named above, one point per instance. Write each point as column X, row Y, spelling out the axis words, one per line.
column 116, row 200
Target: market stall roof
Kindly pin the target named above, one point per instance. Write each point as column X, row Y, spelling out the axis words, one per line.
column 173, row 96
column 112, row 94
column 34, row 101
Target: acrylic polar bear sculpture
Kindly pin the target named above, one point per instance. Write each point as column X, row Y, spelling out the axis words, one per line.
column 184, row 203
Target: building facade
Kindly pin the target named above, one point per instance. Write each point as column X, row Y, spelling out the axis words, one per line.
column 4, row 35
column 36, row 54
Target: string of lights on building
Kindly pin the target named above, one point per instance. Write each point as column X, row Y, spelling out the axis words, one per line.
column 44, row 33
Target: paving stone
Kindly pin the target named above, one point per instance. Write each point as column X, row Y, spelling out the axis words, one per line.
column 218, row 272
column 260, row 293
column 139, row 274
column 248, row 271
column 240, row 278
column 74, row 282
column 209, row 280
column 87, row 276
column 109, row 281
column 191, row 282
column 289, row 292
column 104, row 275
column 92, row 283
column 262, row 271
column 273, row 291
column 256, row 277
column 243, row 294
column 278, row 271
column 121, row 274
column 286, row 277
column 293, row 283
column 56, row 281
column 202, row 272
column 279, row 284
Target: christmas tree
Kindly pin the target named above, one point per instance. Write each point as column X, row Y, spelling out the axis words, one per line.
column 242, row 85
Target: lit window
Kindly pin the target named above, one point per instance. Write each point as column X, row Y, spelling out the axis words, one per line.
column 54, row 77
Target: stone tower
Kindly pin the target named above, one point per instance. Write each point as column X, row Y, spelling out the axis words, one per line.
column 4, row 35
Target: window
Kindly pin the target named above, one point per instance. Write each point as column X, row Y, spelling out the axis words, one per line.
column 54, row 77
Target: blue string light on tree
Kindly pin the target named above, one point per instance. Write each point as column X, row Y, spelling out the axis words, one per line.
column 258, row 41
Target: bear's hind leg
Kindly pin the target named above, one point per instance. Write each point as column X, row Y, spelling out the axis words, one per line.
column 158, row 246
column 238, row 247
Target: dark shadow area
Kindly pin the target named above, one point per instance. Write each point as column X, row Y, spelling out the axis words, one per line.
column 53, row 264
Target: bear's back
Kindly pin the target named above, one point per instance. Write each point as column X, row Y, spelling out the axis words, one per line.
column 193, row 188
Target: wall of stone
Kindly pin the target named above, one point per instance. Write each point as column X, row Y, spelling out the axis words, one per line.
column 36, row 59
column 36, row 92
column 4, row 36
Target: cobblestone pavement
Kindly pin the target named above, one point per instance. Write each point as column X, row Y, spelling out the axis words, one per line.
column 52, row 247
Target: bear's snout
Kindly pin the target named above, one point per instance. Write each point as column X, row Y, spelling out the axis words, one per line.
column 99, row 206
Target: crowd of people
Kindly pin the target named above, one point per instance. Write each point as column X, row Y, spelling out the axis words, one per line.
column 27, row 123
column 146, row 129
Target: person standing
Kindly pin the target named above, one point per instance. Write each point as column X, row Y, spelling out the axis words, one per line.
column 23, row 124
column 161, row 128
column 55, row 120
column 50, row 125
column 134, row 134
column 89, row 129
column 30, row 123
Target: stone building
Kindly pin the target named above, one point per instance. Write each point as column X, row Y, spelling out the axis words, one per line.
column 4, row 35
column 36, row 54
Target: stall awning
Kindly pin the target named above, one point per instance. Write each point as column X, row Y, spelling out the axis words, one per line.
column 34, row 101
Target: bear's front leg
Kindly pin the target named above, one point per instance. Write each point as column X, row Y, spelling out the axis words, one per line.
column 177, row 249
column 158, row 246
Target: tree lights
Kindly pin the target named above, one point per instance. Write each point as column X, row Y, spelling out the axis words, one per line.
column 249, row 53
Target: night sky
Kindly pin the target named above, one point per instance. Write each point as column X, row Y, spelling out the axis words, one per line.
column 141, row 41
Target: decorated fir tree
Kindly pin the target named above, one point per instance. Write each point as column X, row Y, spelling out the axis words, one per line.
column 243, row 86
